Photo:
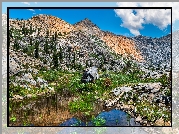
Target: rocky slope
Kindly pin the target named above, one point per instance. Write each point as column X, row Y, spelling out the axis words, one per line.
column 155, row 51
column 46, row 23
column 122, row 45
column 119, row 44
column 86, row 45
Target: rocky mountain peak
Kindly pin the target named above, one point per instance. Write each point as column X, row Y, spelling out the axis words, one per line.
column 86, row 23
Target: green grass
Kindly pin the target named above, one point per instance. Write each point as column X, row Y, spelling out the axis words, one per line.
column 98, row 121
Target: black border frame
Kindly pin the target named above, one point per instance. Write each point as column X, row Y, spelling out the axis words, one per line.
column 8, row 8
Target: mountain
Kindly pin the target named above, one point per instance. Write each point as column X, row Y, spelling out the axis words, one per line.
column 119, row 44
column 85, row 35
column 89, row 27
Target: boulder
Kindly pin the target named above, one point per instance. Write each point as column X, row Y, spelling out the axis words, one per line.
column 42, row 82
column 90, row 75
column 14, row 67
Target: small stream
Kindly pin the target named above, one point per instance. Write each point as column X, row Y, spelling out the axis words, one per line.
column 53, row 111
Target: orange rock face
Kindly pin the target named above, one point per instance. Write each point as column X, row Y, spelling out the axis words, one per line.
column 47, row 23
column 122, row 45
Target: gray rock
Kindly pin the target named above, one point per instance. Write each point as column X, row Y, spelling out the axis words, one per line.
column 42, row 82
column 119, row 90
column 14, row 67
column 90, row 75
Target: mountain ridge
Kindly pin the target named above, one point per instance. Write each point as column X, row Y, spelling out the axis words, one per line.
column 120, row 44
column 62, row 26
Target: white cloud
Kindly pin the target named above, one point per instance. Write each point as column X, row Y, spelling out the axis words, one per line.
column 35, row 2
column 27, row 3
column 158, row 17
column 31, row 10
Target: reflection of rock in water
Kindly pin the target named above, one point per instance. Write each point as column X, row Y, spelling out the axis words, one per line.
column 112, row 118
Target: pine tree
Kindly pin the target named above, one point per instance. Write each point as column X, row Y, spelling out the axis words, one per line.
column 55, row 59
column 46, row 47
column 74, row 59
column 16, row 45
column 23, row 29
column 31, row 30
column 56, row 35
column 60, row 55
column 36, row 49
column 30, row 41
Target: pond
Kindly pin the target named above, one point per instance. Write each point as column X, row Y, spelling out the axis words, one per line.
column 53, row 111
column 113, row 117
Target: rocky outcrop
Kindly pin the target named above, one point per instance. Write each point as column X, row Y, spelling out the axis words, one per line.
column 155, row 51
column 87, row 26
column 128, row 98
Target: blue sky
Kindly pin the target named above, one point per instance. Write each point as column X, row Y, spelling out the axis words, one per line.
column 105, row 19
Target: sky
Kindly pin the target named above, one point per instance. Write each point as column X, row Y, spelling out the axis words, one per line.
column 152, row 23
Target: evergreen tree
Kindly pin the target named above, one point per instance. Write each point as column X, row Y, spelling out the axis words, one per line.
column 31, row 30
column 16, row 45
column 36, row 49
column 46, row 47
column 74, row 59
column 60, row 55
column 55, row 59
column 30, row 41
column 23, row 29
column 56, row 35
